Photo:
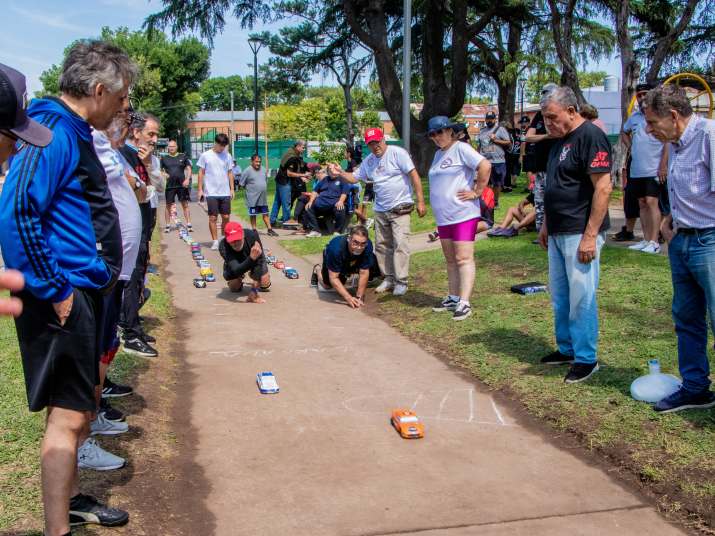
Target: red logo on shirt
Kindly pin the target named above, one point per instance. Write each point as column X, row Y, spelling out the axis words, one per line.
column 601, row 160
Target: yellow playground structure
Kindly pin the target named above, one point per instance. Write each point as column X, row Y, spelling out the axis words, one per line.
column 697, row 89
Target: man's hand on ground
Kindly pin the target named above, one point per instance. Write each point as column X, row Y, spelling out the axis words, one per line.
column 63, row 309
column 256, row 251
column 587, row 249
column 354, row 302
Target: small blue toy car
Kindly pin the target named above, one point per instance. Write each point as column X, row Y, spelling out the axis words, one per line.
column 267, row 383
column 270, row 259
column 290, row 273
column 210, row 278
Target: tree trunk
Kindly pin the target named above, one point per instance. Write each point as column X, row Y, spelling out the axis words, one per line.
column 350, row 134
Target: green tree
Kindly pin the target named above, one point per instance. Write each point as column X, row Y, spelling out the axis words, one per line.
column 216, row 93
column 170, row 74
column 369, row 119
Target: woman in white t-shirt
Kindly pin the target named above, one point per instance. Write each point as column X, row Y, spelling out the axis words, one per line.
column 454, row 196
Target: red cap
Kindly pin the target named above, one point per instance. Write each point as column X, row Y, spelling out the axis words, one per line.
column 373, row 134
column 233, row 231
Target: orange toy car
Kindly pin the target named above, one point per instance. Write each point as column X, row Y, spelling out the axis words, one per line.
column 407, row 424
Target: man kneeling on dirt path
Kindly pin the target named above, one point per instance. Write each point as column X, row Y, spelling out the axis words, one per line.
column 345, row 256
column 243, row 254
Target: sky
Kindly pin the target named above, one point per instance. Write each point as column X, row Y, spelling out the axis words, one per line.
column 36, row 34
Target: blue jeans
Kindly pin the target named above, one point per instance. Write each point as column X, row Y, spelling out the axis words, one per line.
column 573, row 296
column 692, row 266
column 281, row 201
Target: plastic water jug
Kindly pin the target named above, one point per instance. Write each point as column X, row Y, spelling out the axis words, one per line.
column 655, row 385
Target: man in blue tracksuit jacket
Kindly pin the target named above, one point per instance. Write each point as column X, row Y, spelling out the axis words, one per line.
column 61, row 230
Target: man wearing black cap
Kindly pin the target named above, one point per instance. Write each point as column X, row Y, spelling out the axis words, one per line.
column 16, row 130
column 61, row 230
column 493, row 143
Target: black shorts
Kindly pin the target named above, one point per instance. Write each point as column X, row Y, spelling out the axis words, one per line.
column 218, row 205
column 513, row 165
column 61, row 363
column 172, row 194
column 498, row 175
column 369, row 195
column 631, row 208
column 256, row 273
column 644, row 187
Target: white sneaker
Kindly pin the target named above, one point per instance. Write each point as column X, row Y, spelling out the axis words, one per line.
column 384, row 286
column 91, row 456
column 313, row 234
column 369, row 223
column 400, row 290
column 214, row 245
column 640, row 245
column 652, row 247
column 102, row 426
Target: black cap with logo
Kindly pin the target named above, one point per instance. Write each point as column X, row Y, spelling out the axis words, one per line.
column 13, row 105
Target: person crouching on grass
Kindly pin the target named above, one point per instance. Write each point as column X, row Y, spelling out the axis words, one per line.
column 243, row 254
column 454, row 195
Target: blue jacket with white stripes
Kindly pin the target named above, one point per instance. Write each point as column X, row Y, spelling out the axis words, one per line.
column 59, row 224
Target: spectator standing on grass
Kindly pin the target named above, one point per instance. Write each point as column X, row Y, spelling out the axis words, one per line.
column 457, row 178
column 138, row 149
column 690, row 232
column 61, row 230
column 242, row 254
column 216, row 184
column 255, row 183
column 394, row 176
column 494, row 141
column 236, row 174
column 177, row 167
column 16, row 131
column 538, row 146
column 578, row 185
column 291, row 169
column 644, row 176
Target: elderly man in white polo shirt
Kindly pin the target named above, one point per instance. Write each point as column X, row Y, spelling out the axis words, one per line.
column 690, row 232
column 391, row 170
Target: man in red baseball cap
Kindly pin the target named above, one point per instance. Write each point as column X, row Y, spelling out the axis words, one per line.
column 242, row 254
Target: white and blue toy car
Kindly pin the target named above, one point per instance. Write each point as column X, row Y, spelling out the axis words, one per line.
column 267, row 383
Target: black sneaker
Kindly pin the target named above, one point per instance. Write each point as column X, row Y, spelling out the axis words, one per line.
column 447, row 304
column 580, row 372
column 148, row 338
column 462, row 312
column 85, row 509
column 189, row 227
column 624, row 235
column 314, row 277
column 138, row 347
column 167, row 229
column 110, row 413
column 556, row 358
column 682, row 399
column 114, row 390
column 271, row 232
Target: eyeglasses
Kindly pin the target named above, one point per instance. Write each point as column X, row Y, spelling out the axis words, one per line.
column 356, row 244
column 436, row 133
column 19, row 144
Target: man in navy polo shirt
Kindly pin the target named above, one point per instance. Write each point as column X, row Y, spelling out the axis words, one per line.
column 345, row 256
column 327, row 199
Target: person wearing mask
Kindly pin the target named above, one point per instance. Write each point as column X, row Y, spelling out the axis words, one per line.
column 457, row 178
column 243, row 254
column 176, row 167
column 494, row 141
column 58, row 196
column 216, row 184
column 690, row 232
column 253, row 179
column 394, row 177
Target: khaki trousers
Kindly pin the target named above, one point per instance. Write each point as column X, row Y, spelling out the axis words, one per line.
column 392, row 248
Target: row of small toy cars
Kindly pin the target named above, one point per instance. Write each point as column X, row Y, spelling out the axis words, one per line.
column 290, row 273
column 205, row 270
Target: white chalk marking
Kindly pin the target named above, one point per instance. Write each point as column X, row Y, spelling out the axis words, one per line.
column 442, row 403
column 496, row 411
column 221, row 314
column 417, row 401
column 471, row 405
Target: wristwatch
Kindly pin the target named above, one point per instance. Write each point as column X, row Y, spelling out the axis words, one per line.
column 137, row 185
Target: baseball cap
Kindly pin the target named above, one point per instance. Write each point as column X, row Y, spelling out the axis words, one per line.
column 438, row 122
column 548, row 88
column 13, row 106
column 491, row 115
column 373, row 134
column 646, row 86
column 233, row 231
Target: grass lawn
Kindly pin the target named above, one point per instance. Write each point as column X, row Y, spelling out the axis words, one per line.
column 21, row 431
column 674, row 455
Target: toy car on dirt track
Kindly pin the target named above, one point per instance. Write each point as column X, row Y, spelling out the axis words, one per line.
column 267, row 383
column 407, row 424
column 290, row 273
column 279, row 265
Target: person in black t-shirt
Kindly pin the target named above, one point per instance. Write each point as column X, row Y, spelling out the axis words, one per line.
column 242, row 254
column 177, row 168
column 538, row 145
column 578, row 185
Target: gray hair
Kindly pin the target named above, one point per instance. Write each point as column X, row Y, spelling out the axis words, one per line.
column 562, row 95
column 663, row 99
column 90, row 63
column 139, row 121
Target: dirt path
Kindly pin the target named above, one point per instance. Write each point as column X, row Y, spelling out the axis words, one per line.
column 320, row 458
